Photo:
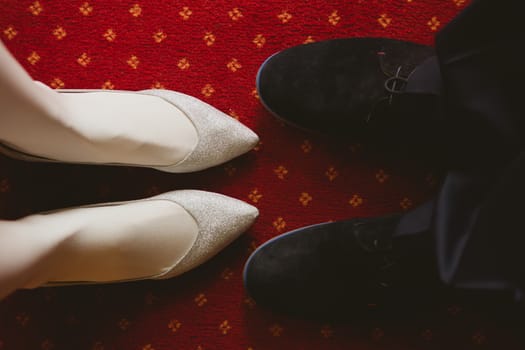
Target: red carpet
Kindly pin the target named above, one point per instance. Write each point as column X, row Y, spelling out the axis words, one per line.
column 212, row 50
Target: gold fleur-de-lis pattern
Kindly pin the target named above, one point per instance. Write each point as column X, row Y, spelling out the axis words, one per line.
column 434, row 23
column 234, row 65
column 201, row 299
column 57, row 83
column 259, row 40
column 59, row 33
column 225, row 327
column 355, row 201
column 108, row 85
column 227, row 274
column 305, row 199
column 183, row 63
column 254, row 195
column 33, row 58
column 157, row 85
column 384, row 20
column 331, row 173
column 185, row 13
column 235, row 14
column 133, row 62
column 85, row 9
column 279, row 224
column 281, row 172
column 306, row 146
column 135, row 10
column 405, row 203
column 334, row 18
column 207, row 90
column 249, row 302
column 211, row 50
column 159, row 36
column 381, row 176
column 233, row 114
column 84, row 60
column 110, row 35
column 209, row 38
column 10, row 33
column 284, row 17
column 174, row 325
column 36, row 8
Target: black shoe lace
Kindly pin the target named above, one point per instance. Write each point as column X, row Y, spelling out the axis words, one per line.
column 395, row 85
column 372, row 240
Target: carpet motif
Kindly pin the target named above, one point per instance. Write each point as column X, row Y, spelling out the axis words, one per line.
column 212, row 50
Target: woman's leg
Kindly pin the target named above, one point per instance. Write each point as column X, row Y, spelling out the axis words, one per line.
column 106, row 243
column 158, row 237
column 98, row 127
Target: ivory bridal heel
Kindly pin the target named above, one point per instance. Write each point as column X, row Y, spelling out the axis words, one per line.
column 154, row 238
column 160, row 129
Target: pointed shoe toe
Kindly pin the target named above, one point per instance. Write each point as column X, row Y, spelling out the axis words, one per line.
column 221, row 138
column 221, row 219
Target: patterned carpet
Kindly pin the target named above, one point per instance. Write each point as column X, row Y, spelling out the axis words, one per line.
column 212, row 50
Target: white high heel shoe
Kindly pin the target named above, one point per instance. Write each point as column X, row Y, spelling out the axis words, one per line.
column 219, row 220
column 220, row 137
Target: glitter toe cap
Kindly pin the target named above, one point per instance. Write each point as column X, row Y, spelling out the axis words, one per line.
column 220, row 219
column 221, row 138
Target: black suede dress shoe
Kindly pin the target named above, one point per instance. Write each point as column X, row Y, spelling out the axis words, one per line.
column 351, row 87
column 342, row 269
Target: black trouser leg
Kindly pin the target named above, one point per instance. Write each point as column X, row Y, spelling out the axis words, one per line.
column 476, row 218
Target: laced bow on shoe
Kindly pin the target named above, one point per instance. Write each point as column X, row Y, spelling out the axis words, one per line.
column 395, row 84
